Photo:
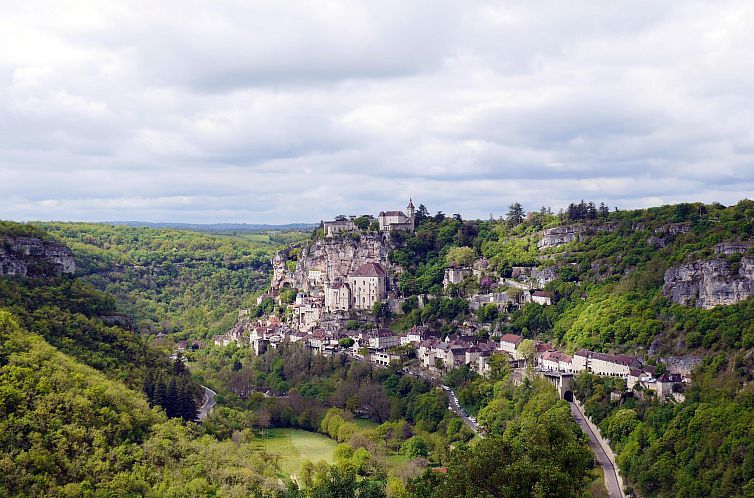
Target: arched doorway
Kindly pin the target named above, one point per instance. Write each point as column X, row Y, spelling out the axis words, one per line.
column 568, row 396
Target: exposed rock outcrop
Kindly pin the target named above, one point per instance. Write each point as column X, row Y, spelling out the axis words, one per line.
column 729, row 248
column 339, row 256
column 708, row 283
column 553, row 237
column 33, row 257
column 673, row 228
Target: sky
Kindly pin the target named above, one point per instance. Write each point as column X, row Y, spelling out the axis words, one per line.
column 279, row 111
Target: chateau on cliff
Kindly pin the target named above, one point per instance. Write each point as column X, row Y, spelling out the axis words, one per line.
column 337, row 275
column 389, row 221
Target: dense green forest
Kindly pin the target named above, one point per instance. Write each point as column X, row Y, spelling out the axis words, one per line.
column 173, row 281
column 74, row 421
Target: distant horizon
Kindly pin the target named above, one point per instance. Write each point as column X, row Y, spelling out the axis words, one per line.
column 262, row 225
column 273, row 110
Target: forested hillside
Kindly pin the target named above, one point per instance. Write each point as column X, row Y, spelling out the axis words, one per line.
column 611, row 275
column 612, row 292
column 173, row 281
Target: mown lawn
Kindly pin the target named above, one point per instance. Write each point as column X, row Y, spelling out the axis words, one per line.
column 295, row 446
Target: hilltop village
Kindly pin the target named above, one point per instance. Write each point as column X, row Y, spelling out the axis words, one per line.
column 335, row 289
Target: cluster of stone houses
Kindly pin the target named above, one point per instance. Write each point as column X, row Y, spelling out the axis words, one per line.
column 455, row 350
column 519, row 293
column 358, row 291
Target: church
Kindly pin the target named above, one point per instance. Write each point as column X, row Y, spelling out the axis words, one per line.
column 363, row 287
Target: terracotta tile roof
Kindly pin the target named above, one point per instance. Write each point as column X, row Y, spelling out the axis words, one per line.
column 512, row 338
column 543, row 294
column 556, row 356
column 543, row 346
column 369, row 270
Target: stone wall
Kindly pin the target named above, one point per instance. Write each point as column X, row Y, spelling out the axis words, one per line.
column 33, row 257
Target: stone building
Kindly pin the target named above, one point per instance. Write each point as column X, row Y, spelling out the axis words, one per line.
column 541, row 297
column 368, row 285
column 337, row 296
column 397, row 221
column 383, row 339
column 333, row 228
column 609, row 365
column 455, row 275
column 556, row 361
column 509, row 343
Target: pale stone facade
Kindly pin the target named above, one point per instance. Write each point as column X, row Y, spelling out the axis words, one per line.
column 509, row 343
column 543, row 298
column 556, row 361
column 337, row 297
column 392, row 221
column 368, row 285
column 333, row 228
column 608, row 365
column 456, row 275
column 384, row 339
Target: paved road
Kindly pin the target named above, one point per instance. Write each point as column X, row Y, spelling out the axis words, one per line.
column 611, row 477
column 209, row 402
column 459, row 411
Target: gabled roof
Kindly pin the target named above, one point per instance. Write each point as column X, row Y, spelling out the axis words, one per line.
column 512, row 338
column 543, row 294
column 541, row 347
column 393, row 213
column 369, row 270
column 556, row 356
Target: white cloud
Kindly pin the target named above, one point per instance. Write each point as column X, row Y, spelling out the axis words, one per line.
column 295, row 111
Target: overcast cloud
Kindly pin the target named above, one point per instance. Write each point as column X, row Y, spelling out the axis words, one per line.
column 278, row 111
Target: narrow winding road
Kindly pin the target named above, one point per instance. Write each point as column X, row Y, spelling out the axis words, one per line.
column 452, row 398
column 209, row 402
column 595, row 442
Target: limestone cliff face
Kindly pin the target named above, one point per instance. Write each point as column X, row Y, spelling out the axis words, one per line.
column 565, row 234
column 709, row 283
column 341, row 255
column 33, row 257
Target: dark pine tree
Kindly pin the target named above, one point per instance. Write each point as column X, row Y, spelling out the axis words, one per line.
column 188, row 409
column 149, row 387
column 178, row 367
column 591, row 211
column 604, row 210
column 160, row 392
column 421, row 215
column 171, row 405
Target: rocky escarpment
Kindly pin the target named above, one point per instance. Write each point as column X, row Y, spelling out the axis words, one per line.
column 553, row 237
column 708, row 283
column 338, row 255
column 33, row 257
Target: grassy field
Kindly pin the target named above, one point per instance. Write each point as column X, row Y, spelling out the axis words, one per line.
column 295, row 446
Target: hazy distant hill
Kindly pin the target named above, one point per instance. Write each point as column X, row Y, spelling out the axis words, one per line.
column 212, row 227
